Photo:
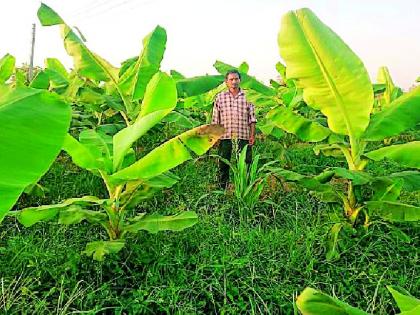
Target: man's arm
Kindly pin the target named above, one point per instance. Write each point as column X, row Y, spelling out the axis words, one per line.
column 252, row 134
column 252, row 120
column 215, row 118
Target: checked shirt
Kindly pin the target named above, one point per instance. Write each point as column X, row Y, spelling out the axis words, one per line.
column 234, row 113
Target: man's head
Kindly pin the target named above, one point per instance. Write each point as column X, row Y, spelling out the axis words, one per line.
column 232, row 79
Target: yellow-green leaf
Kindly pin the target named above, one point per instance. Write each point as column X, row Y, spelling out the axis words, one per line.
column 305, row 129
column 407, row 154
column 332, row 76
column 33, row 125
column 402, row 114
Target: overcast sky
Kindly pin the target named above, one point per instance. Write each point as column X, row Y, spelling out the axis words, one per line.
column 381, row 32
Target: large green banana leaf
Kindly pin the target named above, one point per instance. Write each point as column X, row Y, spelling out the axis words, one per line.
column 394, row 211
column 155, row 222
column 95, row 151
column 159, row 100
column 305, row 129
column 313, row 302
column 198, row 85
column 7, row 65
column 171, row 153
column 402, row 114
column 86, row 62
column 407, row 154
column 82, row 155
column 33, row 125
column 386, row 189
column 30, row 216
column 411, row 179
column 332, row 76
column 134, row 80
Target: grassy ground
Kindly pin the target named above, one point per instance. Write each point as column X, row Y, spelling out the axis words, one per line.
column 220, row 265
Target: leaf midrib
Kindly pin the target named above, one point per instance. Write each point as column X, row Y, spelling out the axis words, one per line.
column 328, row 79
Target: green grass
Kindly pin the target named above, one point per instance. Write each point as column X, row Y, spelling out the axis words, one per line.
column 218, row 266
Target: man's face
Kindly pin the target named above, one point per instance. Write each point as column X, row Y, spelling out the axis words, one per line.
column 232, row 81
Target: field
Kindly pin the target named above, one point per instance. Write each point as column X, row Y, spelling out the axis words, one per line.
column 110, row 202
column 219, row 265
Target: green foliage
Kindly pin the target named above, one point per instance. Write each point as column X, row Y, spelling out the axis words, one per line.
column 260, row 264
column 87, row 63
column 33, row 126
column 335, row 82
column 249, row 181
column 7, row 66
column 313, row 302
column 129, row 84
column 406, row 154
column 339, row 88
column 391, row 92
column 218, row 266
column 189, row 87
column 127, row 186
column 99, row 249
column 134, row 80
column 305, row 129
column 405, row 301
column 247, row 81
column 400, row 116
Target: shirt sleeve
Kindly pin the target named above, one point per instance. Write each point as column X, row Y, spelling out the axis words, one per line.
column 215, row 118
column 251, row 114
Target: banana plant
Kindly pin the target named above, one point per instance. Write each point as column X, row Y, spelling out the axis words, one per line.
column 33, row 125
column 128, row 83
column 335, row 83
column 314, row 302
column 127, row 180
column 391, row 92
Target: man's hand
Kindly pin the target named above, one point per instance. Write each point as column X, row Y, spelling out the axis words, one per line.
column 252, row 134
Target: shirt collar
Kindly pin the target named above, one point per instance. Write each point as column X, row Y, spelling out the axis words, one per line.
column 241, row 92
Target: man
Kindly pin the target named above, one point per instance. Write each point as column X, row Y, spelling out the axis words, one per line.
column 237, row 116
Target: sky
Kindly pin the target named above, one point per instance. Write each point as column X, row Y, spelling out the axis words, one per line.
column 380, row 32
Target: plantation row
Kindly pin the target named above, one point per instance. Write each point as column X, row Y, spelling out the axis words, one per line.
column 97, row 114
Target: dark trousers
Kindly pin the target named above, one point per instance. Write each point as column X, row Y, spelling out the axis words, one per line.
column 225, row 151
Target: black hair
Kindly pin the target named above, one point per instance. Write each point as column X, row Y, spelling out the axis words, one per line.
column 232, row 71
